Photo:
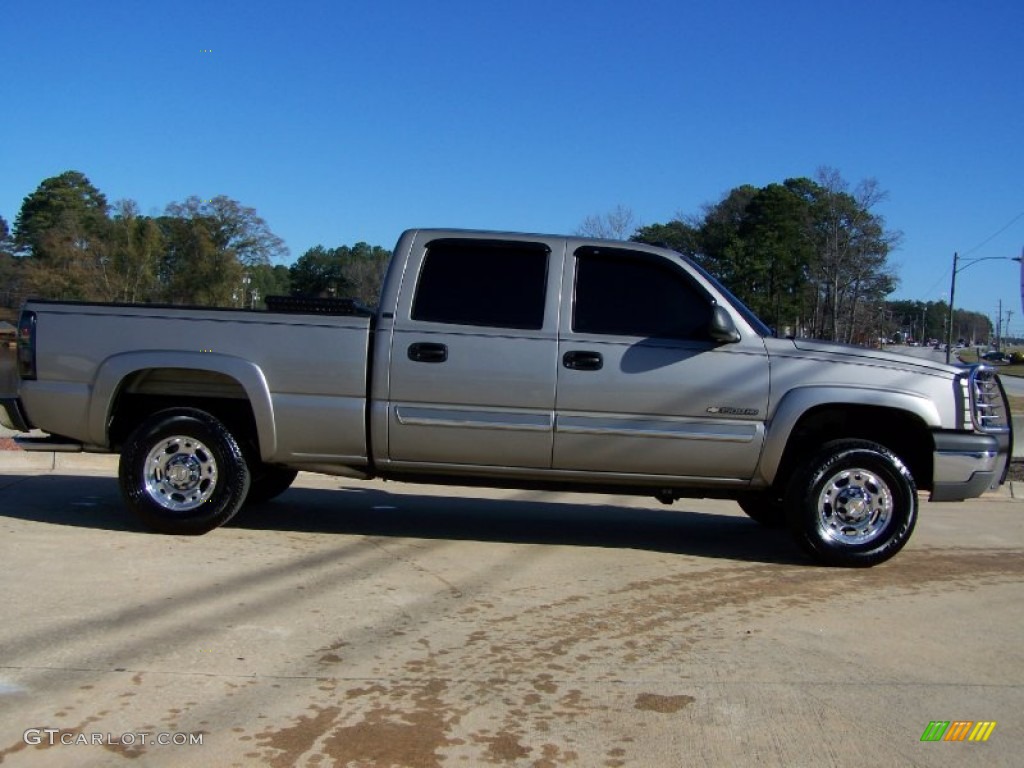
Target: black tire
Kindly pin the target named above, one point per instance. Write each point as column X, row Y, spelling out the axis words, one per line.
column 853, row 505
column 269, row 482
column 764, row 507
column 183, row 472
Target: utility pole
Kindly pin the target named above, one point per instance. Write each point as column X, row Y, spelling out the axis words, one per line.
column 952, row 291
column 999, row 328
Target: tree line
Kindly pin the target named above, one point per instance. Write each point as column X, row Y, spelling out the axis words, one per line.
column 68, row 243
column 923, row 321
column 809, row 256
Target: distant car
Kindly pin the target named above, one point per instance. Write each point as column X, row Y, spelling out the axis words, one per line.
column 994, row 357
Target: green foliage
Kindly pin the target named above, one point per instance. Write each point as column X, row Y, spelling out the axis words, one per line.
column 232, row 228
column 318, row 272
column 69, row 243
column 137, row 245
column 677, row 235
column 193, row 269
column 266, row 280
column 10, row 293
column 925, row 320
column 61, row 232
column 355, row 272
column 69, row 203
column 809, row 257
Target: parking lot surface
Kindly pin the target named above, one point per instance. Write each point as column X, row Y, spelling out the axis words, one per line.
column 379, row 624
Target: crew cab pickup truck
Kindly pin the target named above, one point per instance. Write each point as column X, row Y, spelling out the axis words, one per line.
column 513, row 360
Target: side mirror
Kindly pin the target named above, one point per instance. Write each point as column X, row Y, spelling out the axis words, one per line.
column 722, row 328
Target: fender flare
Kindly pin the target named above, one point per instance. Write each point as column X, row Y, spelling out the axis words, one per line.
column 797, row 402
column 112, row 372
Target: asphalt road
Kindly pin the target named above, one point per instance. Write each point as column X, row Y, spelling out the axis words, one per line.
column 381, row 624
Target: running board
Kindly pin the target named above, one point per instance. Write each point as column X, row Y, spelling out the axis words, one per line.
column 51, row 443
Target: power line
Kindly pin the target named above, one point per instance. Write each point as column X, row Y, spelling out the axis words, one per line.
column 945, row 275
column 943, row 280
column 989, row 239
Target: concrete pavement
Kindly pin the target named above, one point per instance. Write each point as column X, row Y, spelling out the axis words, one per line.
column 376, row 624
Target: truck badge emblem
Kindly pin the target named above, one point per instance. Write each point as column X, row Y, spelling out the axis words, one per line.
column 725, row 410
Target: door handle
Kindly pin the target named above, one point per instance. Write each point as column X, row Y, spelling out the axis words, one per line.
column 426, row 352
column 583, row 361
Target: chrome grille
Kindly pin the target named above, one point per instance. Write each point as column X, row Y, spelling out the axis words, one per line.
column 988, row 407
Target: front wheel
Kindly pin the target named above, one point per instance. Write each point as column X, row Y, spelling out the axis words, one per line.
column 764, row 507
column 854, row 504
column 183, row 472
column 269, row 482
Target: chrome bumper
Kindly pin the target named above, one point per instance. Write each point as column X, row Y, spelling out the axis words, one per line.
column 966, row 465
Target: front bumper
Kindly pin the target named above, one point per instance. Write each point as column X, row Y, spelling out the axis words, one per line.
column 12, row 415
column 966, row 464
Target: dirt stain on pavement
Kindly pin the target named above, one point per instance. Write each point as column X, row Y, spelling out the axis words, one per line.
column 293, row 742
column 503, row 747
column 652, row 702
column 400, row 725
column 495, row 693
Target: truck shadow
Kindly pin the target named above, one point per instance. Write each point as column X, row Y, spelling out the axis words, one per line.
column 529, row 518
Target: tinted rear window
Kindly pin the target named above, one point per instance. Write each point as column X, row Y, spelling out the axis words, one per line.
column 483, row 283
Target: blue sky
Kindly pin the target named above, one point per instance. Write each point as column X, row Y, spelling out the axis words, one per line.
column 347, row 121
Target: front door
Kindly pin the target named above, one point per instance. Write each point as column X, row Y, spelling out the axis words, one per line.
column 641, row 387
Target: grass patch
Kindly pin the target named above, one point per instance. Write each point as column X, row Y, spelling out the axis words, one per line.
column 970, row 356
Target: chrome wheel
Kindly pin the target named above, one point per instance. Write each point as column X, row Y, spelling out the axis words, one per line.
column 854, row 507
column 183, row 472
column 180, row 473
column 853, row 504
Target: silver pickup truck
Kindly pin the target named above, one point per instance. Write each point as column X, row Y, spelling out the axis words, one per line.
column 513, row 360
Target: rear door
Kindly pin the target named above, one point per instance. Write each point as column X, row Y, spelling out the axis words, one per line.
column 474, row 353
column 642, row 388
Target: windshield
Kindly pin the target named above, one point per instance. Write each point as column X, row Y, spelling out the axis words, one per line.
column 755, row 322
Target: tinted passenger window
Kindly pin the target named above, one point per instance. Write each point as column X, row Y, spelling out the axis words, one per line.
column 625, row 293
column 471, row 282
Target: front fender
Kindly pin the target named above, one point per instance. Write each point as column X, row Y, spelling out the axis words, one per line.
column 800, row 401
column 113, row 371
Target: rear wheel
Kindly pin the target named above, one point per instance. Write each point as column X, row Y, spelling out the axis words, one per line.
column 183, row 472
column 854, row 504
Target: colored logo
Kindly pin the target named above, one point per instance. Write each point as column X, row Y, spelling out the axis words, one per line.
column 958, row 730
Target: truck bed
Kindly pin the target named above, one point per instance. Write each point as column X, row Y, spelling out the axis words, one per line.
column 305, row 374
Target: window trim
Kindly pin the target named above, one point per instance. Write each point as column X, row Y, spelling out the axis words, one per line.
column 469, row 243
column 629, row 254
